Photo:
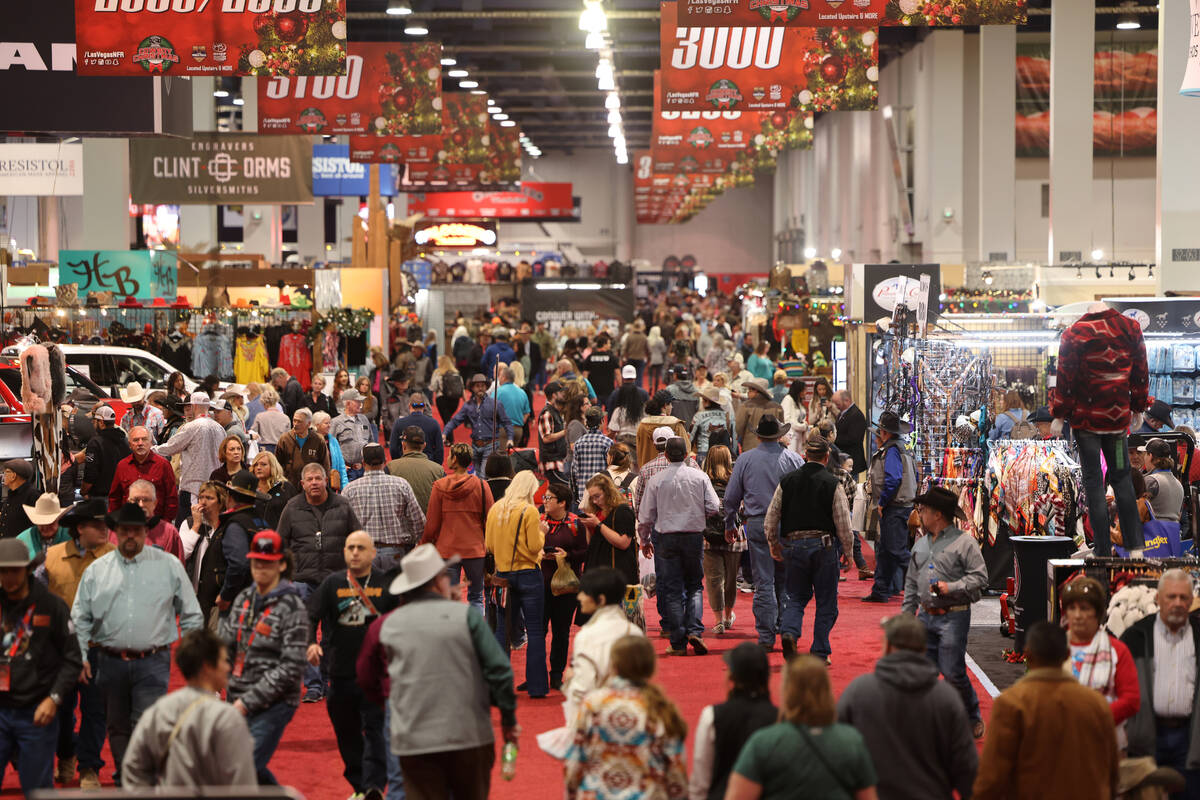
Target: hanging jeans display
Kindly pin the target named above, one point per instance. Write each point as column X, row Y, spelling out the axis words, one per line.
column 1115, row 448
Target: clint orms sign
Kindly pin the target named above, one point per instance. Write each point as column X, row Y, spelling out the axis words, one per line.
column 215, row 168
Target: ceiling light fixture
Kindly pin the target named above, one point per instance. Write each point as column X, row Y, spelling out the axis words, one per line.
column 399, row 8
column 457, row 73
column 220, row 93
column 416, row 29
column 613, row 100
column 810, row 252
column 1098, row 275
column 593, row 19
column 1110, row 271
column 1128, row 21
column 495, row 110
column 1079, row 272
column 478, row 91
column 614, row 117
column 1097, row 254
column 622, row 158
column 606, row 80
column 449, row 62
column 614, row 131
column 237, row 101
column 468, row 84
column 987, row 277
column 594, row 41
column 500, row 117
column 508, row 123
column 835, row 253
column 1132, row 277
column 491, row 102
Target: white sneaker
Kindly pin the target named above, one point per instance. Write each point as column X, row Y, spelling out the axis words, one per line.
column 729, row 622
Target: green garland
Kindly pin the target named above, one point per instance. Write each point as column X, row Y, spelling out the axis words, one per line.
column 347, row 321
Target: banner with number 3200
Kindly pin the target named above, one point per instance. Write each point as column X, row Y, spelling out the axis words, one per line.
column 210, row 37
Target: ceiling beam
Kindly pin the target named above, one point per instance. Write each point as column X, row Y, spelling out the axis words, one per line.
column 571, row 109
column 550, row 72
column 570, row 92
column 566, row 123
column 552, row 49
column 504, row 14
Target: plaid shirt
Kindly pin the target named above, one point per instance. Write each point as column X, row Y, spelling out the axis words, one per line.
column 151, row 419
column 591, row 456
column 387, row 508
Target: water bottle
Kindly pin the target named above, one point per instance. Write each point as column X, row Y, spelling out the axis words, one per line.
column 933, row 582
column 508, row 761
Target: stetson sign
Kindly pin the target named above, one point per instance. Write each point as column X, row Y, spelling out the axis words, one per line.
column 220, row 168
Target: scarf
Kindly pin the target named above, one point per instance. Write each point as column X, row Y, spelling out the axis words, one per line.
column 1095, row 665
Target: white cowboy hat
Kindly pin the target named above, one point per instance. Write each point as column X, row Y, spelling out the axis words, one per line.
column 133, row 392
column 46, row 510
column 419, row 567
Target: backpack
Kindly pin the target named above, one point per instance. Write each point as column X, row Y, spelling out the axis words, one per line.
column 452, row 385
column 625, row 484
column 1022, row 428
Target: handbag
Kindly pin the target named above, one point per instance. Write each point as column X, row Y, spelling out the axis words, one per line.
column 633, row 606
column 490, row 578
column 564, row 581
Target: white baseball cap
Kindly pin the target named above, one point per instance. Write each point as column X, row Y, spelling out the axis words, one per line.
column 199, row 399
column 662, row 434
column 629, row 372
column 105, row 412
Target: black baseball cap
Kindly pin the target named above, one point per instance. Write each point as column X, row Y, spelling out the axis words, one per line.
column 373, row 454
column 414, row 435
column 747, row 665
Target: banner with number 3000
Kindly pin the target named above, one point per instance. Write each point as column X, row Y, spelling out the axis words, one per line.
column 211, row 37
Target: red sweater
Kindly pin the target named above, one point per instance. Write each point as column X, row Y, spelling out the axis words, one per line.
column 1102, row 373
column 155, row 469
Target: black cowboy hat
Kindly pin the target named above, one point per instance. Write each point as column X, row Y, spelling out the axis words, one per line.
column 93, row 510
column 244, row 483
column 1161, row 412
column 128, row 514
column 890, row 421
column 769, row 427
column 1041, row 415
column 941, row 499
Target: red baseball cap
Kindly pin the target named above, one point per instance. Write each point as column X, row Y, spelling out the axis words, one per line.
column 267, row 545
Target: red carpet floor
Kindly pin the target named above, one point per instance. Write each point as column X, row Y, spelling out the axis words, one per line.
column 307, row 757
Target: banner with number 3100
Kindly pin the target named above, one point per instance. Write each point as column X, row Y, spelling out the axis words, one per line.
column 210, row 37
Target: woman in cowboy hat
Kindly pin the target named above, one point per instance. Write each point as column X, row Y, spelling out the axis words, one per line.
column 45, row 515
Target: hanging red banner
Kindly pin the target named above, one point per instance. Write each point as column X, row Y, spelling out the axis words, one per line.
column 210, row 37
column 531, row 201
column 504, row 164
column 388, row 87
column 457, row 155
column 744, row 68
column 856, row 13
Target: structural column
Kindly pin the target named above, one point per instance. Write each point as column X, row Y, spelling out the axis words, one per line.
column 1177, row 244
column 106, row 224
column 262, row 231
column 997, row 161
column 1072, row 56
column 938, row 183
column 198, row 223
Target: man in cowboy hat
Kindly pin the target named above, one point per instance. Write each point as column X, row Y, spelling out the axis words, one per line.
column 103, row 452
column 490, row 427
column 65, row 564
column 41, row 664
column 454, row 670
column 140, row 412
column 893, row 474
column 143, row 464
column 352, row 430
column 419, row 416
column 46, row 530
column 758, row 404
column 1157, row 419
column 126, row 606
column 751, row 487
column 241, row 523
column 946, row 574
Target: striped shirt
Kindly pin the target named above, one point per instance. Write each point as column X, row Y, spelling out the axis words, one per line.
column 1174, row 670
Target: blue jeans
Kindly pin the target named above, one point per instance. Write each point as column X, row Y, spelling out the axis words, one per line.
column 682, row 582
column 946, row 646
column 769, row 580
column 129, row 688
column 1115, row 447
column 526, row 590
column 395, row 777
column 811, row 570
column 358, row 726
column 315, row 678
column 891, row 551
column 640, row 365
column 1171, row 749
column 660, row 596
column 473, row 567
column 480, row 454
column 86, row 746
column 31, row 746
column 267, row 727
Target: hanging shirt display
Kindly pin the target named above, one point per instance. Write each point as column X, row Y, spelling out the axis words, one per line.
column 250, row 363
column 212, row 352
column 295, row 356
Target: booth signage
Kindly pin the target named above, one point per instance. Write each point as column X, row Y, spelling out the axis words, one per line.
column 142, row 274
column 562, row 304
column 389, row 88
column 1191, row 75
column 214, row 168
column 211, row 37
column 456, row 234
column 335, row 175
column 885, row 284
column 41, row 169
column 42, row 93
column 531, row 201
column 1161, row 314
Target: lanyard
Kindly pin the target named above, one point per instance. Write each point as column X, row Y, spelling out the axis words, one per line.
column 20, row 634
column 362, row 596
column 241, row 625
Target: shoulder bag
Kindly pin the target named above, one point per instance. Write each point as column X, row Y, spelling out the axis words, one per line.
column 820, row 754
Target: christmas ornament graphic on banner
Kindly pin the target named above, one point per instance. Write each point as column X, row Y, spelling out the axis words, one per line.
column 389, row 87
column 457, row 155
column 858, row 13
column 767, row 68
column 211, row 37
